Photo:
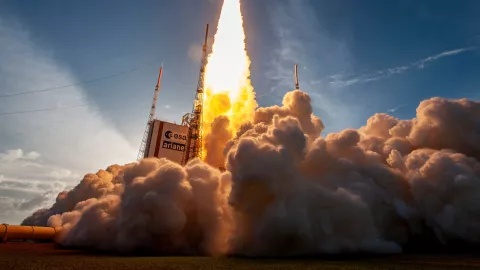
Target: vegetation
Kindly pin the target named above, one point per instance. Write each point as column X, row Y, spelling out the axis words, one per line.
column 21, row 256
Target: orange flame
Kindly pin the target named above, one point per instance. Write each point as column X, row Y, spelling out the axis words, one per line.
column 228, row 90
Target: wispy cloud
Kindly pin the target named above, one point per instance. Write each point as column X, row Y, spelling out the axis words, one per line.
column 17, row 154
column 393, row 110
column 80, row 139
column 27, row 182
column 14, row 209
column 71, row 142
column 339, row 80
column 300, row 34
column 16, row 166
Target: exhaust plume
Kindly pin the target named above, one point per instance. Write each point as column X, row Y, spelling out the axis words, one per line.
column 229, row 97
column 288, row 191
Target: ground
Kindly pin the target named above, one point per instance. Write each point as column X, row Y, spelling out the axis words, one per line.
column 20, row 256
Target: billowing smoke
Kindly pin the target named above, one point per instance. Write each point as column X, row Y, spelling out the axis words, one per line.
column 288, row 191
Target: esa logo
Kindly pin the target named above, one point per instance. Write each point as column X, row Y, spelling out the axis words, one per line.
column 170, row 135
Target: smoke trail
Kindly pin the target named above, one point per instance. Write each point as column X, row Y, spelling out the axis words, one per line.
column 289, row 191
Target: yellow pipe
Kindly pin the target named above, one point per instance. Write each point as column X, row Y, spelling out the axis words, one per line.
column 15, row 232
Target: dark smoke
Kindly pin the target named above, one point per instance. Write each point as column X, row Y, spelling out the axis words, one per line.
column 289, row 191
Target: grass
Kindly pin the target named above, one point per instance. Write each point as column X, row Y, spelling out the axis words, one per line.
column 45, row 256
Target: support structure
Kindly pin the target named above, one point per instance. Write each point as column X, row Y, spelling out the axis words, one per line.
column 143, row 146
column 194, row 120
column 297, row 84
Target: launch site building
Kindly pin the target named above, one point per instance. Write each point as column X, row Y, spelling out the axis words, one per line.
column 180, row 143
column 167, row 140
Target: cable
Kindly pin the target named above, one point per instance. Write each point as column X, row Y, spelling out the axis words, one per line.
column 43, row 110
column 77, row 83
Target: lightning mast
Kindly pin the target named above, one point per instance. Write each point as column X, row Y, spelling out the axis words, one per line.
column 194, row 120
column 297, row 84
column 143, row 146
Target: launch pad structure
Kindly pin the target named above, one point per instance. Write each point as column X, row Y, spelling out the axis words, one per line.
column 180, row 143
column 194, row 120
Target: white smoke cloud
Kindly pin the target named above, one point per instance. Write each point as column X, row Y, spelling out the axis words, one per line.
column 289, row 191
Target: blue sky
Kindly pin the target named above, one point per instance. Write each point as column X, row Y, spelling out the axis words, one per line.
column 356, row 58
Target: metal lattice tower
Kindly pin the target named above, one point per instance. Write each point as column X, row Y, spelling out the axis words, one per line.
column 194, row 120
column 297, row 84
column 143, row 146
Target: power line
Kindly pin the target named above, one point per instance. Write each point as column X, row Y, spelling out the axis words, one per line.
column 44, row 110
column 77, row 83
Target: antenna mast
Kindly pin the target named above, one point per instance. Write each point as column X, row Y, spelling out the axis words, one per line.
column 143, row 146
column 297, row 84
column 195, row 119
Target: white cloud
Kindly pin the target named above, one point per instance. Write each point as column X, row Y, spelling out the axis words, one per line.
column 17, row 154
column 71, row 142
column 77, row 138
column 62, row 173
column 14, row 210
column 32, row 155
column 339, row 80
column 11, row 155
column 20, row 169
column 25, row 185
column 19, row 197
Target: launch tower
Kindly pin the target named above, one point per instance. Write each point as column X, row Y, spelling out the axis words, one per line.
column 194, row 120
column 297, row 83
column 151, row 118
column 163, row 139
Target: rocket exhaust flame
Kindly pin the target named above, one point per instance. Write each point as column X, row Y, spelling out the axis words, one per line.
column 228, row 90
